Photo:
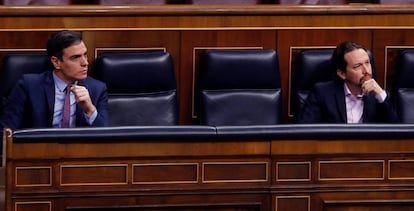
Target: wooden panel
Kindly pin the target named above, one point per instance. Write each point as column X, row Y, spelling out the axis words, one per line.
column 193, row 202
column 33, row 176
column 382, row 201
column 33, row 205
column 219, row 172
column 98, row 174
column 167, row 207
column 370, row 207
column 24, row 39
column 143, row 149
column 401, row 169
column 365, row 147
column 351, row 170
column 165, row 173
column 293, row 171
column 289, row 203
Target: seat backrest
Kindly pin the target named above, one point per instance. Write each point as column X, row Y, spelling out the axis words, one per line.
column 141, row 88
column 313, row 66
column 240, row 87
column 403, row 86
column 15, row 65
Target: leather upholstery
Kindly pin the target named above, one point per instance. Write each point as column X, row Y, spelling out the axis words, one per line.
column 141, row 88
column 317, row 131
column 15, row 65
column 102, row 134
column 403, row 89
column 240, row 87
column 222, row 133
column 313, row 66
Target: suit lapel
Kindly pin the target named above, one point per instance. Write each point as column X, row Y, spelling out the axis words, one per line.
column 49, row 89
column 340, row 101
column 368, row 115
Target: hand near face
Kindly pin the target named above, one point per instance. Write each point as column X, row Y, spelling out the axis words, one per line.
column 370, row 85
column 83, row 99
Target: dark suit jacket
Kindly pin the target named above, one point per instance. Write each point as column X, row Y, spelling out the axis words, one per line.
column 31, row 103
column 326, row 104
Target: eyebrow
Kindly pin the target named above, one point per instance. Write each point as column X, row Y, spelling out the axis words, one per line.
column 78, row 55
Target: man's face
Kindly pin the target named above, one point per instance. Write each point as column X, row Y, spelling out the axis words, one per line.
column 74, row 63
column 358, row 68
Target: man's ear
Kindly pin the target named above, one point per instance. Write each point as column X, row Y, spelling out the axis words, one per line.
column 55, row 61
column 341, row 74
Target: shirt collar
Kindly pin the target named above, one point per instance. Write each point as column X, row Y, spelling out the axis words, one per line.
column 59, row 83
column 348, row 92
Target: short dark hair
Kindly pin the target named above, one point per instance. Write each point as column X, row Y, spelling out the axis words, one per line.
column 60, row 40
column 338, row 56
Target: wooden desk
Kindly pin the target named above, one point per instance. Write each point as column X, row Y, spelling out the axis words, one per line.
column 279, row 168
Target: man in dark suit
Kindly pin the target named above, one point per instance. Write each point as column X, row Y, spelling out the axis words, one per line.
column 37, row 100
column 354, row 97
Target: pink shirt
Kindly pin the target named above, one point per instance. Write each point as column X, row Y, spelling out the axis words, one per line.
column 355, row 105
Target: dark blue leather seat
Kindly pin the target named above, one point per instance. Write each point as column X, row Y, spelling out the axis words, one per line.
column 313, row 66
column 122, row 133
column 403, row 87
column 15, row 65
column 240, row 87
column 141, row 88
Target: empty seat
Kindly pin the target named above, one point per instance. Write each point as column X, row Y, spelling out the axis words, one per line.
column 240, row 87
column 141, row 88
column 313, row 66
column 15, row 65
column 403, row 86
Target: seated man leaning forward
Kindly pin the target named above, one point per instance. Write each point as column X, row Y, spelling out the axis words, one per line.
column 38, row 100
column 354, row 97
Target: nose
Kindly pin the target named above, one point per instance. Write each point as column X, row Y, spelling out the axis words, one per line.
column 84, row 61
column 366, row 70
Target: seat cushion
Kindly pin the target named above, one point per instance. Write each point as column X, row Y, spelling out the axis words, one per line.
column 241, row 107
column 143, row 109
column 405, row 104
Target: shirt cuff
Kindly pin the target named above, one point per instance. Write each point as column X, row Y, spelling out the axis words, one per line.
column 91, row 119
column 381, row 96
